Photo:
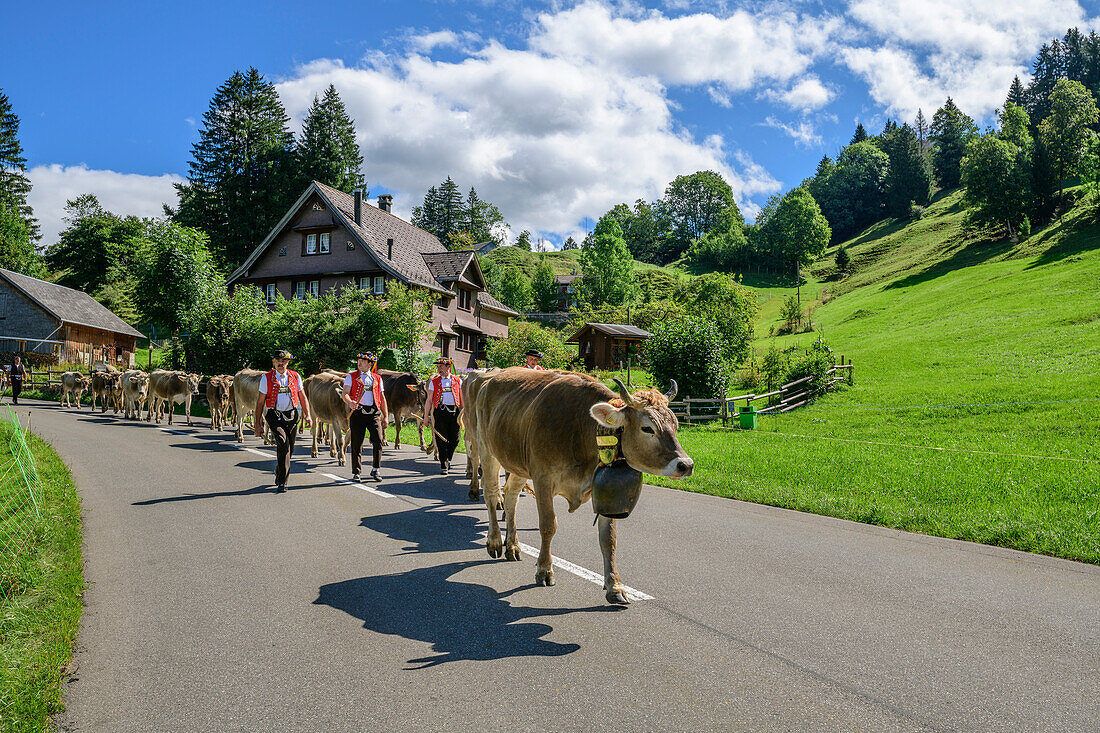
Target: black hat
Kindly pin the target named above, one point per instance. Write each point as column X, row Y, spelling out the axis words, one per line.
column 366, row 355
column 534, row 352
column 282, row 354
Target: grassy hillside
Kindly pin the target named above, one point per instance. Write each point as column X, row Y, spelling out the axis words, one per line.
column 975, row 408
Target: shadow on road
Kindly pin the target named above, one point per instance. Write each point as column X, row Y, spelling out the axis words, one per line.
column 462, row 621
column 268, row 488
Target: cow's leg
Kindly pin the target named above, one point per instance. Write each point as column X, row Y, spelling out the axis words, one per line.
column 512, row 487
column 398, row 419
column 473, row 462
column 188, row 411
column 548, row 525
column 612, row 583
column 341, row 440
column 238, row 424
column 170, row 404
column 493, row 544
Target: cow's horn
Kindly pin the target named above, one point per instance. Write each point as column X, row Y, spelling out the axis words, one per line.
column 670, row 395
column 624, row 393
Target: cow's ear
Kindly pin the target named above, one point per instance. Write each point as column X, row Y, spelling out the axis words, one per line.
column 607, row 415
column 412, row 387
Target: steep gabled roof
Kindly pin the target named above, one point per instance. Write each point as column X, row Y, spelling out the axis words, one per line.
column 448, row 266
column 487, row 301
column 375, row 228
column 68, row 305
column 617, row 330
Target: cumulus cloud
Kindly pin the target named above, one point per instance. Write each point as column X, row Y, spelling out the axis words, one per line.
column 805, row 95
column 802, row 132
column 928, row 51
column 122, row 193
column 549, row 139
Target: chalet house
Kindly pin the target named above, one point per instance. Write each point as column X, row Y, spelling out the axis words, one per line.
column 60, row 324
column 607, row 345
column 329, row 238
column 567, row 290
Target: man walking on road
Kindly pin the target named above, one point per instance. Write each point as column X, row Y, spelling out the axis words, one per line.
column 364, row 397
column 445, row 397
column 281, row 397
column 18, row 371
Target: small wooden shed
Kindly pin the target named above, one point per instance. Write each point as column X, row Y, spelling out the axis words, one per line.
column 606, row 345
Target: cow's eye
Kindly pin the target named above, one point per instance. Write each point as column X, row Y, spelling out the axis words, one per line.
column 647, row 429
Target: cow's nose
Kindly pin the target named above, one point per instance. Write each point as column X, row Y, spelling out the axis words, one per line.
column 685, row 467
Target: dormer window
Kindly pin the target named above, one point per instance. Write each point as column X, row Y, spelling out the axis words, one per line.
column 465, row 299
column 316, row 243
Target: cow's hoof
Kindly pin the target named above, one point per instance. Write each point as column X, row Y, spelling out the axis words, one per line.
column 544, row 577
column 617, row 597
column 494, row 547
column 512, row 552
column 474, row 496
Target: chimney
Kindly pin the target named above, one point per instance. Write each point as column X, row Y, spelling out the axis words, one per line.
column 358, row 195
column 385, row 202
column 389, row 248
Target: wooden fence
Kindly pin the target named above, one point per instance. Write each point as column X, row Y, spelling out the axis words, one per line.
column 695, row 411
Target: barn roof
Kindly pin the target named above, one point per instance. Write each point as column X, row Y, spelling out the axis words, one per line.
column 68, row 305
column 615, row 330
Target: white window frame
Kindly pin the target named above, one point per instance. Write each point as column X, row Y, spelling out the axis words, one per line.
column 311, row 244
column 379, row 285
column 300, row 290
column 324, row 243
column 315, row 288
column 270, row 290
column 365, row 283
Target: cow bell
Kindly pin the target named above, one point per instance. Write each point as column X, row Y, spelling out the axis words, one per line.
column 615, row 490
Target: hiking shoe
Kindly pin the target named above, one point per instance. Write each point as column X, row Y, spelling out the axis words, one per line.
column 374, row 475
column 443, row 468
column 355, row 477
column 280, row 489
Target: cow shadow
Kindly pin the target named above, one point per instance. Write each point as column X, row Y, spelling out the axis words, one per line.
column 461, row 621
column 429, row 529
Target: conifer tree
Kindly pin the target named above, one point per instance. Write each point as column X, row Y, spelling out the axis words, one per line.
column 426, row 216
column 951, row 132
column 452, row 213
column 569, row 243
column 1047, row 69
column 14, row 184
column 327, row 151
column 523, row 241
column 1068, row 128
column 241, row 178
column 860, row 134
column 920, row 126
column 1016, row 93
column 909, row 177
column 482, row 218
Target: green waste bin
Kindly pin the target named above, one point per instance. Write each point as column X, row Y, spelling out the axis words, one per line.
column 748, row 418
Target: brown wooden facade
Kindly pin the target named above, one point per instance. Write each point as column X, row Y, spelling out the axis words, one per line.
column 608, row 345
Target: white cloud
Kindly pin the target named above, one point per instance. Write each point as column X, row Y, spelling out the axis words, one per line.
column 925, row 52
column 802, row 132
column 122, row 193
column 806, row 95
column 427, row 42
column 548, row 139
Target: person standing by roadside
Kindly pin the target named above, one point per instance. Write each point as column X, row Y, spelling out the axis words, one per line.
column 281, row 398
column 363, row 394
column 18, row 372
column 445, row 397
column 533, row 357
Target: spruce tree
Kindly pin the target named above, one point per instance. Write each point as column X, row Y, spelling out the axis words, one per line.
column 481, row 218
column 1048, row 68
column 860, row 134
column 452, row 213
column 1016, row 93
column 327, row 151
column 569, row 243
column 426, row 216
column 14, row 184
column 241, row 178
column 921, row 128
column 909, row 177
column 951, row 132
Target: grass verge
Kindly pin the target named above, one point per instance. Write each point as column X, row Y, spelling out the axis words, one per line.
column 43, row 598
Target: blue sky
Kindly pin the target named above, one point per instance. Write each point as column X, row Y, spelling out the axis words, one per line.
column 555, row 111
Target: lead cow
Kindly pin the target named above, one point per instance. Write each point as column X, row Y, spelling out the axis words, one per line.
column 135, row 390
column 327, row 406
column 541, row 425
column 107, row 385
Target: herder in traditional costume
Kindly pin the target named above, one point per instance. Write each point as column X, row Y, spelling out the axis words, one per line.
column 445, row 398
column 533, row 357
column 281, row 401
column 369, row 415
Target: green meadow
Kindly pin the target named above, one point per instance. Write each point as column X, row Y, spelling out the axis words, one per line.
column 976, row 396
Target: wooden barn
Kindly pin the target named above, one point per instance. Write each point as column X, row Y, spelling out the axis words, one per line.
column 60, row 324
column 606, row 345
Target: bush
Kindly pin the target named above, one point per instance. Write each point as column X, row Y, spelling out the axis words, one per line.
column 817, row 360
column 524, row 335
column 689, row 351
column 775, row 366
column 387, row 360
column 843, row 259
column 791, row 313
column 1025, row 228
column 916, row 211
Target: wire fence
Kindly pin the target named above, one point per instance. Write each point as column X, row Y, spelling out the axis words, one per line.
column 21, row 520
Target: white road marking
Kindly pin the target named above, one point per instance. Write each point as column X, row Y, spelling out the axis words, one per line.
column 174, row 432
column 265, row 454
column 364, row 487
column 632, row 593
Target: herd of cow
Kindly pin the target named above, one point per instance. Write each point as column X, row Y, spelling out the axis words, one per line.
column 539, row 426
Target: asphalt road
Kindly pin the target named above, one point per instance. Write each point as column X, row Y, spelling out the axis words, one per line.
column 215, row 604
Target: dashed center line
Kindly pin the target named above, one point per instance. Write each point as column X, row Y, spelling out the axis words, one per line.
column 258, row 452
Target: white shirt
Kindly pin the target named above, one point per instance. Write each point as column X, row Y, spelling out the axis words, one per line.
column 367, row 399
column 282, row 402
column 447, row 397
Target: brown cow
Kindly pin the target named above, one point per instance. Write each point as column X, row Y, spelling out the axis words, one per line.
column 72, row 382
column 541, row 425
column 472, row 383
column 167, row 388
column 217, row 397
column 323, row 391
column 246, row 391
column 135, row 390
column 405, row 397
column 109, row 386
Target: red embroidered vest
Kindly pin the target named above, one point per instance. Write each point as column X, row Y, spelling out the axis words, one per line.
column 273, row 388
column 357, row 388
column 437, row 390
column 536, row 366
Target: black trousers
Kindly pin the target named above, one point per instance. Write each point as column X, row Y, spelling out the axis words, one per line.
column 284, row 428
column 446, row 425
column 16, row 388
column 365, row 420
